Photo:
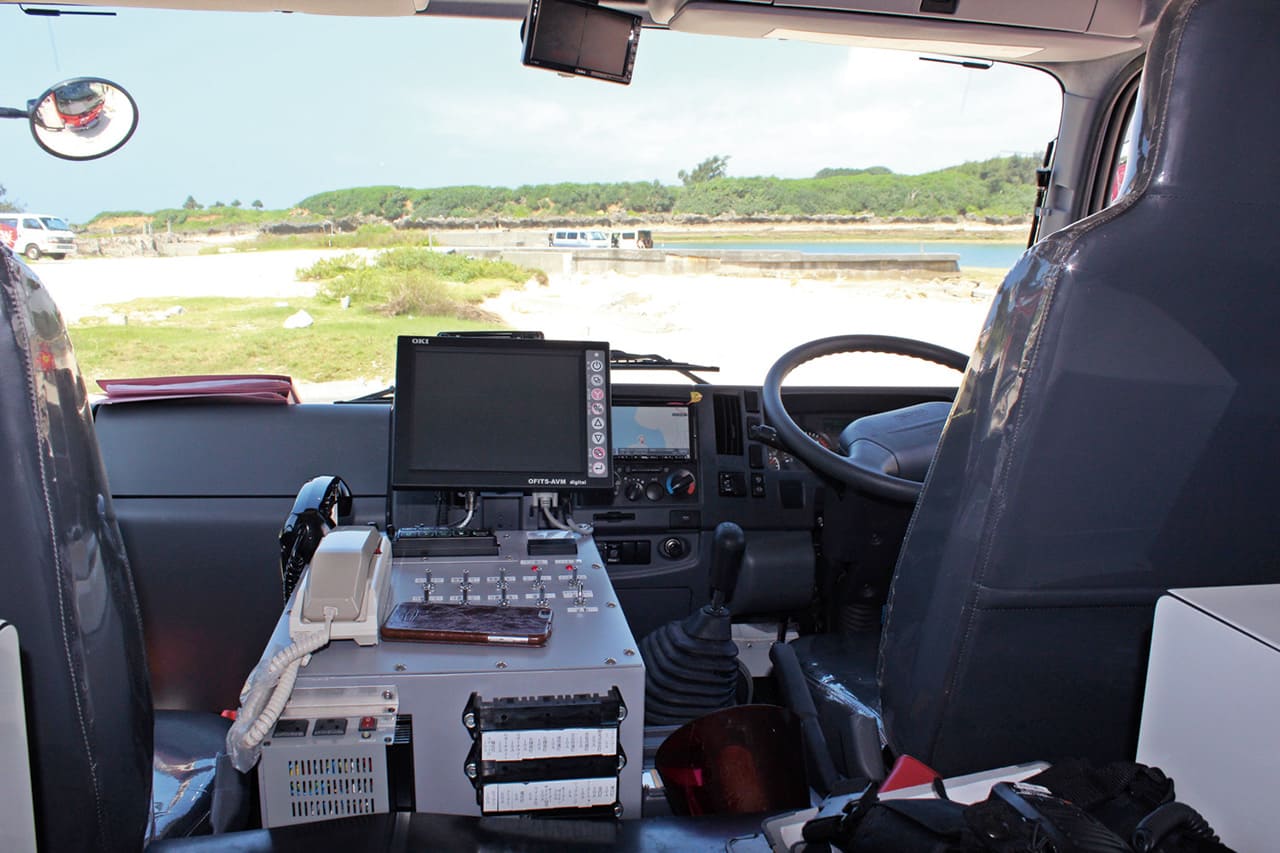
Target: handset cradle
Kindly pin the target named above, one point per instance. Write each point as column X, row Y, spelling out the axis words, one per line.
column 349, row 575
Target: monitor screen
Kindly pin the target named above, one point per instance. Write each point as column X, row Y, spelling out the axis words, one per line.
column 578, row 37
column 503, row 414
column 651, row 432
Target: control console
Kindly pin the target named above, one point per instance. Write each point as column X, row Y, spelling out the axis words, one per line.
column 503, row 722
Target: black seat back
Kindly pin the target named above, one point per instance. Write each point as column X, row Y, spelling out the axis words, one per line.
column 65, row 583
column 1117, row 433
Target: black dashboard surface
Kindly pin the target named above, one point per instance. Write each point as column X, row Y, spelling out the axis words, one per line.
column 203, row 488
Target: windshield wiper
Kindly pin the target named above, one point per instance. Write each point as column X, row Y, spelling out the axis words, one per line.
column 386, row 395
column 619, row 360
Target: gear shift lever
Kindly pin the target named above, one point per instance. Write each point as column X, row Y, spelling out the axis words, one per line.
column 691, row 666
column 728, row 544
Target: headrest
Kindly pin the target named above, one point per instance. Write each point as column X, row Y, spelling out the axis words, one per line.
column 1210, row 117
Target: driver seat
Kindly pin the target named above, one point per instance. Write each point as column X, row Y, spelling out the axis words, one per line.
column 1116, row 434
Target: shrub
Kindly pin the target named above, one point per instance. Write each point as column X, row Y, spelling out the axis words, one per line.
column 416, row 281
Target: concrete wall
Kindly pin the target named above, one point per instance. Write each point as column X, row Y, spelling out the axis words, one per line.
column 726, row 262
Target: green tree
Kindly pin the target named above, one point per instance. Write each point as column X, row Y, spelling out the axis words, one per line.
column 257, row 204
column 708, row 170
column 8, row 205
column 235, row 203
column 191, row 203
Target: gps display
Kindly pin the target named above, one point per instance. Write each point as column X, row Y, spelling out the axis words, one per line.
column 651, row 432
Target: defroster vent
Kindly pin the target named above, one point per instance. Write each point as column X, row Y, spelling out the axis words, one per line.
column 728, row 413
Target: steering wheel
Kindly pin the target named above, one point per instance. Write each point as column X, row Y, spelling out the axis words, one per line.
column 840, row 468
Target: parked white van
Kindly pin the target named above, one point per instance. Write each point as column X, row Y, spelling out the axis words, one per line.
column 641, row 239
column 579, row 239
column 40, row 234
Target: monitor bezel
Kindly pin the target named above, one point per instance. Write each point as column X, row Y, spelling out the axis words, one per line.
column 404, row 477
column 530, row 32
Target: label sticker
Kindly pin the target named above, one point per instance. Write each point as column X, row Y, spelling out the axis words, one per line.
column 565, row 794
column 547, row 743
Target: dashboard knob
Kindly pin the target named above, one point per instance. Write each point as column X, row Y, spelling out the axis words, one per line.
column 681, row 483
column 653, row 492
column 633, row 491
column 673, row 548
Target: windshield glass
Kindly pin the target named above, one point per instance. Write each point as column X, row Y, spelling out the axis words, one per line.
column 344, row 181
column 53, row 223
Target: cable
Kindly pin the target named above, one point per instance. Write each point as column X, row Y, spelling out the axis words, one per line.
column 471, row 511
column 581, row 529
column 267, row 692
column 584, row 528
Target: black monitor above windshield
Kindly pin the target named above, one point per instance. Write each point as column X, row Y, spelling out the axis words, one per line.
column 580, row 37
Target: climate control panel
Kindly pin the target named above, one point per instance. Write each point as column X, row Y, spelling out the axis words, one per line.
column 650, row 482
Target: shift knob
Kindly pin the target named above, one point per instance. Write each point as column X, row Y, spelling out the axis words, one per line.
column 728, row 544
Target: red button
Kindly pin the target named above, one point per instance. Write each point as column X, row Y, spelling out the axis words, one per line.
column 368, row 724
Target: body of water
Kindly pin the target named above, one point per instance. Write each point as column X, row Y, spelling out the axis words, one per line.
column 972, row 254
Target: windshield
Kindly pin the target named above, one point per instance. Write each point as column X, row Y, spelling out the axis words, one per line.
column 53, row 223
column 412, row 177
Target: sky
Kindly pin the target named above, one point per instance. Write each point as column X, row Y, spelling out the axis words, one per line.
column 277, row 107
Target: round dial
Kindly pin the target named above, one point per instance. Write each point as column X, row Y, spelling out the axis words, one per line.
column 681, row 483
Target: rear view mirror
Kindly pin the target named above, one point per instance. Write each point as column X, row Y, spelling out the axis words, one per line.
column 83, row 118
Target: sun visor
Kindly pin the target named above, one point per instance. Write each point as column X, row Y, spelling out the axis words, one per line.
column 1101, row 17
column 938, row 34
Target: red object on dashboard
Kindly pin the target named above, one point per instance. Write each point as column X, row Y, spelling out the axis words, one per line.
column 908, row 772
column 247, row 388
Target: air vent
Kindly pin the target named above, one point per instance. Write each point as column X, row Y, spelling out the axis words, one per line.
column 305, row 779
column 331, row 787
column 728, row 424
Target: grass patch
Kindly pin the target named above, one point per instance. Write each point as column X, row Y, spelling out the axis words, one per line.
column 416, row 281
column 401, row 292
column 217, row 335
column 208, row 219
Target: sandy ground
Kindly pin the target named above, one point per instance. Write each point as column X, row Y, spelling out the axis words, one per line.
column 83, row 286
column 741, row 324
column 744, row 324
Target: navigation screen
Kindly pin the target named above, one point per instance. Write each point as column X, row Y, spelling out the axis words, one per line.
column 651, row 431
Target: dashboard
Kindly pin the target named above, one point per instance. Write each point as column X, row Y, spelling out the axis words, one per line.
column 201, row 490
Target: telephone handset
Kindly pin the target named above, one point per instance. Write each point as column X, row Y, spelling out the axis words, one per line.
column 322, row 504
column 346, row 586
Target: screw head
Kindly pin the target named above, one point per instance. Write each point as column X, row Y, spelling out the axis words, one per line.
column 471, row 770
column 629, row 652
column 610, row 661
column 387, row 694
column 501, row 664
column 469, row 720
column 401, row 667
